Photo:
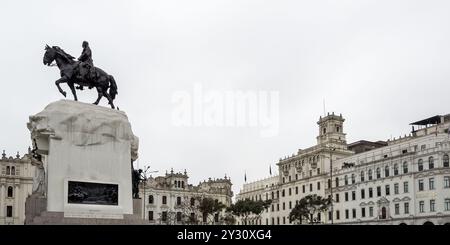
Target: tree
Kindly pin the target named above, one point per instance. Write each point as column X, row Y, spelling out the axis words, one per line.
column 308, row 206
column 209, row 207
column 246, row 207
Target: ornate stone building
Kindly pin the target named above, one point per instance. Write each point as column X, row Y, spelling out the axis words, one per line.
column 16, row 183
column 400, row 181
column 170, row 199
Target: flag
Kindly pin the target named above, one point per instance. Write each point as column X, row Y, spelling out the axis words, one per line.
column 245, row 177
column 270, row 170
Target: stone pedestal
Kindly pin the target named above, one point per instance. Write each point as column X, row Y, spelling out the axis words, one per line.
column 87, row 151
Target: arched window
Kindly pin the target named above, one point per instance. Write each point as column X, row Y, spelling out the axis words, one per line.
column 353, row 178
column 420, row 165
column 346, row 180
column 405, row 167
column 445, row 161
column 10, row 191
column 150, row 199
column 182, row 184
column 362, row 176
column 175, row 183
column 337, row 181
column 396, row 169
column 8, row 170
column 386, row 171
column 178, row 200
column 192, row 201
column 378, row 173
column 13, row 170
column 369, row 173
column 430, row 163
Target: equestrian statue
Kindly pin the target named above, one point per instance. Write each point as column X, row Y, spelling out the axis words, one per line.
column 81, row 72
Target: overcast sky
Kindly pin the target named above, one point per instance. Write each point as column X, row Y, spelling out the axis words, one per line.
column 382, row 64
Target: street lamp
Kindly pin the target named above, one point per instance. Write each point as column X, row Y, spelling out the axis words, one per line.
column 145, row 184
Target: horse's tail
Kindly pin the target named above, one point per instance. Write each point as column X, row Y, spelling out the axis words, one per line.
column 112, row 87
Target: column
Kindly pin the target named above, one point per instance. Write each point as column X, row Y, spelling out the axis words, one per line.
column 2, row 200
column 16, row 207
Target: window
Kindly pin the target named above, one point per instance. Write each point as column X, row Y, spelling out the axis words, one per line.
column 303, row 188
column 378, row 191
column 318, row 171
column 369, row 173
column 378, row 173
column 13, row 170
column 310, row 187
column 289, row 178
column 8, row 170
column 346, row 180
column 338, row 214
column 395, row 169
column 421, row 185
column 431, row 183
column 290, row 205
column 363, row 212
column 383, row 213
column 405, row 187
column 346, row 196
column 273, row 221
column 150, row 215
column 278, row 220
column 318, row 185
column 290, row 191
column 406, row 207
column 405, row 167
column 178, row 200
column 430, row 163
column 363, row 194
column 397, row 208
column 387, row 189
column 354, row 213
column 282, row 193
column 353, row 178
column 386, row 171
column 362, row 176
column 278, row 194
column 9, row 211
column 337, row 197
column 420, row 165
column 10, row 191
column 284, row 220
column 346, row 214
column 445, row 161
column 432, row 205
column 193, row 201
column 164, row 200
column 447, row 204
column 296, row 190
column 447, row 182
column 396, row 189
column 353, row 195
column 164, row 216
column 178, row 216
column 370, row 211
column 330, row 215
column 273, row 208
column 423, row 147
column 370, row 192
column 329, row 183
column 150, row 199
column 278, row 207
column 284, row 206
column 421, row 206
column 337, row 181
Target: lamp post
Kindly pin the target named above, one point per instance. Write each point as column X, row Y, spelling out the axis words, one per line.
column 145, row 184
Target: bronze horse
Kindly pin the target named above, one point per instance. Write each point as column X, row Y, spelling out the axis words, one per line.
column 70, row 74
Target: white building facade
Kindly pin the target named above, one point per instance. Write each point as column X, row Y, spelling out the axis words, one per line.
column 401, row 181
column 170, row 199
column 16, row 183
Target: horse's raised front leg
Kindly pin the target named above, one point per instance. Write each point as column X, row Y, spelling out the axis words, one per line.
column 72, row 87
column 61, row 80
column 99, row 91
